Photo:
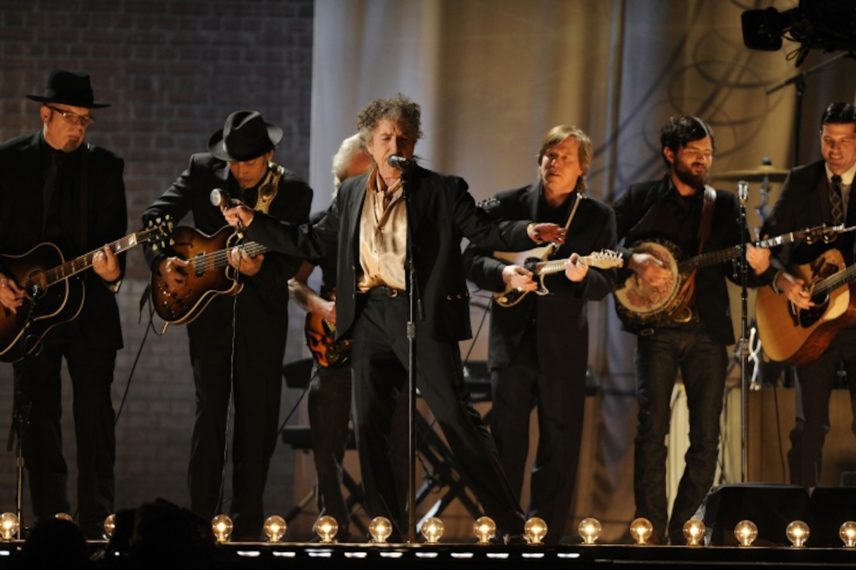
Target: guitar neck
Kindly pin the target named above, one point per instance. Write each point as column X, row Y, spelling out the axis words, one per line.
column 556, row 265
column 84, row 262
column 836, row 280
column 219, row 258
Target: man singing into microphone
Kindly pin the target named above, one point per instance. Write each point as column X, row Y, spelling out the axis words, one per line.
column 248, row 359
column 380, row 218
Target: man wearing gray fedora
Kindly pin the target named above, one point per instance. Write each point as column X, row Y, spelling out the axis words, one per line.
column 237, row 343
column 59, row 189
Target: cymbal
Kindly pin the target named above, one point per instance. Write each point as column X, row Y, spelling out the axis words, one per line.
column 757, row 174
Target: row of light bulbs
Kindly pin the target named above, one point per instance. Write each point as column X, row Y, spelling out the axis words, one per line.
column 534, row 531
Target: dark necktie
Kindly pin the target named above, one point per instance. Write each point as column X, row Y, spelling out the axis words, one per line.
column 836, row 203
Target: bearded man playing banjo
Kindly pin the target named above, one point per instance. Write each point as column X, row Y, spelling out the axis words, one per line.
column 682, row 322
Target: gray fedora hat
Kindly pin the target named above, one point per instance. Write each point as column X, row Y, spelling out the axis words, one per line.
column 68, row 88
column 245, row 136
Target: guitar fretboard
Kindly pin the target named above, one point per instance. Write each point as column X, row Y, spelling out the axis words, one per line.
column 219, row 258
column 836, row 280
column 84, row 262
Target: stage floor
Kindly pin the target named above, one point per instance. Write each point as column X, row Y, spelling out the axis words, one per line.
column 316, row 556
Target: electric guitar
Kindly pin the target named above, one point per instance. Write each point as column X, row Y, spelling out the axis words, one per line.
column 322, row 343
column 54, row 291
column 531, row 260
column 640, row 304
column 208, row 275
column 799, row 336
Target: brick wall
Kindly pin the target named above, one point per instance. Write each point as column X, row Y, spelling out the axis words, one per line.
column 173, row 70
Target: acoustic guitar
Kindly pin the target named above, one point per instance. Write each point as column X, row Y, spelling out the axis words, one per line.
column 531, row 260
column 799, row 336
column 208, row 275
column 55, row 293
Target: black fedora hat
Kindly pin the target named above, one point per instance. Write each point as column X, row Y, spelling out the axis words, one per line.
column 69, row 88
column 245, row 136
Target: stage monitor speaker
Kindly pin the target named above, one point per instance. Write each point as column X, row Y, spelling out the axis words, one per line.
column 770, row 506
column 830, row 507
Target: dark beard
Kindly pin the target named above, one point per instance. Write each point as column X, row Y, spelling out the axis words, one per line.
column 687, row 177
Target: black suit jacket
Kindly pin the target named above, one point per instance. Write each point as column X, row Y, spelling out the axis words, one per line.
column 804, row 203
column 561, row 315
column 106, row 220
column 711, row 296
column 263, row 301
column 442, row 212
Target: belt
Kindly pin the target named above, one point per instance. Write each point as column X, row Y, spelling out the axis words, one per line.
column 384, row 292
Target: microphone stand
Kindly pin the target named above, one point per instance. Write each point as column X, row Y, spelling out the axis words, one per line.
column 742, row 196
column 415, row 303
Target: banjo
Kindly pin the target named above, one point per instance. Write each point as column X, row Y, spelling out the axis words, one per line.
column 641, row 304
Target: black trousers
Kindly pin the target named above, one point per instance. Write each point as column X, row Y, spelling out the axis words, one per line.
column 560, row 395
column 380, row 355
column 813, row 390
column 39, row 380
column 257, row 387
column 329, row 406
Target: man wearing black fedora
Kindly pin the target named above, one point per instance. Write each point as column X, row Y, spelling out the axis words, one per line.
column 57, row 188
column 244, row 360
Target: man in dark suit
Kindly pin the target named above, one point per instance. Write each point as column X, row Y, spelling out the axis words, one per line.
column 57, row 188
column 683, row 210
column 539, row 346
column 397, row 209
column 813, row 194
column 236, row 343
column 329, row 401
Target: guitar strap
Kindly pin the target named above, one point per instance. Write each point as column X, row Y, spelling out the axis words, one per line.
column 579, row 198
column 84, row 196
column 703, row 234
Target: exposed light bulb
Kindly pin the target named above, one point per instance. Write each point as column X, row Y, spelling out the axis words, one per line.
column 274, row 528
column 484, row 529
column 847, row 532
column 109, row 526
column 222, row 526
column 534, row 531
column 326, row 528
column 380, row 528
column 797, row 532
column 9, row 526
column 590, row 530
column 746, row 532
column 432, row 530
column 641, row 530
column 694, row 532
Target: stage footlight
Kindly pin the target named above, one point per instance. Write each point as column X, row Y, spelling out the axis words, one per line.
column 641, row 530
column 745, row 532
column 534, row 531
column 694, row 532
column 275, row 527
column 432, row 530
column 9, row 526
column 109, row 526
column 484, row 529
column 590, row 530
column 326, row 528
column 222, row 526
column 797, row 532
column 380, row 528
column 847, row 532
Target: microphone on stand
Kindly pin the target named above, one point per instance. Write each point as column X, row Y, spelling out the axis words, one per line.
column 743, row 191
column 399, row 162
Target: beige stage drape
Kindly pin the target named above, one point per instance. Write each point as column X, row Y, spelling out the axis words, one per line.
column 493, row 76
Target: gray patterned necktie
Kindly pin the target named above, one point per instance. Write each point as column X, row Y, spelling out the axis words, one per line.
column 836, row 203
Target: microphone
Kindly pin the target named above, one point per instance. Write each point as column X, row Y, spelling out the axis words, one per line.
column 742, row 191
column 398, row 162
column 219, row 198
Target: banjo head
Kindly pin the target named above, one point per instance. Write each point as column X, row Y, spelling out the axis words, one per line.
column 641, row 300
